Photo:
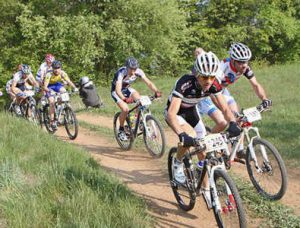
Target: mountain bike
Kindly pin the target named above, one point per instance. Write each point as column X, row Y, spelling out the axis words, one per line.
column 27, row 108
column 225, row 199
column 63, row 115
column 265, row 166
column 143, row 123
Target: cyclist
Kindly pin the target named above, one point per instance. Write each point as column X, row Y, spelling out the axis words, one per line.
column 44, row 68
column 19, row 83
column 53, row 83
column 182, row 114
column 123, row 94
column 233, row 68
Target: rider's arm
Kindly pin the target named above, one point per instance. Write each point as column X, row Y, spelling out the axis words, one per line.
column 33, row 81
column 13, row 87
column 224, row 107
column 259, row 90
column 46, row 83
column 150, row 84
column 172, row 115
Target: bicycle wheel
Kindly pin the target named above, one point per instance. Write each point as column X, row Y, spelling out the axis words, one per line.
column 231, row 212
column 46, row 118
column 124, row 144
column 185, row 194
column 270, row 176
column 33, row 114
column 70, row 122
column 154, row 137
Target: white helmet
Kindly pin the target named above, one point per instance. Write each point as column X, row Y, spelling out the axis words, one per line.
column 240, row 52
column 207, row 64
column 84, row 80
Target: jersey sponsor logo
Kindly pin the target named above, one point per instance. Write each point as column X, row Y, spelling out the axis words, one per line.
column 185, row 86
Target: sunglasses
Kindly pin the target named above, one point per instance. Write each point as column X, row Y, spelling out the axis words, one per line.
column 204, row 77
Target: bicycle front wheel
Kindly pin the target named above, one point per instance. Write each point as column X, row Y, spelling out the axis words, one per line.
column 231, row 212
column 70, row 122
column 46, row 118
column 154, row 137
column 33, row 114
column 124, row 143
column 269, row 176
column 185, row 194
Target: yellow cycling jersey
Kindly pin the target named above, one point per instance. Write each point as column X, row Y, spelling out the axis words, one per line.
column 53, row 79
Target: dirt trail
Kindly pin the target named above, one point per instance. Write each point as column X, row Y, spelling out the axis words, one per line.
column 291, row 198
column 147, row 177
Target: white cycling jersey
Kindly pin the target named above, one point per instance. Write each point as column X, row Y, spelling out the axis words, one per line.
column 44, row 68
column 20, row 80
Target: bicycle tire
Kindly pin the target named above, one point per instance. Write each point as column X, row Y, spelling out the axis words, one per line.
column 231, row 205
column 125, row 145
column 150, row 148
column 187, row 200
column 46, row 117
column 34, row 114
column 277, row 161
column 68, row 112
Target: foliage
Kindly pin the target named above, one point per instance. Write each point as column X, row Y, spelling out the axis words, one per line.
column 95, row 37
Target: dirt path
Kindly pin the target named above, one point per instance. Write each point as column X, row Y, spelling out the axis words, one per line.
column 291, row 198
column 147, row 178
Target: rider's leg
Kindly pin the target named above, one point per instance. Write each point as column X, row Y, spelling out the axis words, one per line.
column 124, row 111
column 52, row 108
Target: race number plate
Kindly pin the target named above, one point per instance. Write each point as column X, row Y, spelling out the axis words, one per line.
column 145, row 101
column 252, row 114
column 214, row 142
column 65, row 97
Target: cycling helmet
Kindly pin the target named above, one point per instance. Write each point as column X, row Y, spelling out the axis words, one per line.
column 131, row 62
column 49, row 58
column 207, row 64
column 240, row 52
column 25, row 69
column 56, row 64
column 84, row 80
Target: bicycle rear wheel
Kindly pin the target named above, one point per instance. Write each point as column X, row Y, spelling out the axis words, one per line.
column 70, row 122
column 185, row 194
column 231, row 212
column 270, row 177
column 154, row 137
column 124, row 144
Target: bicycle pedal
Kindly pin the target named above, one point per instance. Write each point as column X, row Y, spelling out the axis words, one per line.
column 242, row 161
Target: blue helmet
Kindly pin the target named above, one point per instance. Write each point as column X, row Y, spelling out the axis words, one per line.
column 25, row 69
column 131, row 62
column 56, row 64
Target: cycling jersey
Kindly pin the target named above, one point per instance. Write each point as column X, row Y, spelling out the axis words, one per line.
column 52, row 79
column 21, row 79
column 189, row 90
column 42, row 71
column 8, row 86
column 230, row 73
column 122, row 76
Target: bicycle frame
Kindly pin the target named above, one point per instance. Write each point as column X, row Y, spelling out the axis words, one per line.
column 245, row 135
column 211, row 164
column 143, row 112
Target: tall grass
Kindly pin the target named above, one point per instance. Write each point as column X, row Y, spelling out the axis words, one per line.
column 281, row 126
column 48, row 183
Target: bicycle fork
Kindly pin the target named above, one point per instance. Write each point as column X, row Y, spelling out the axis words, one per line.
column 251, row 149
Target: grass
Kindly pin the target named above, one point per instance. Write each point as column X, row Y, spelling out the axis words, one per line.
column 45, row 182
column 274, row 214
column 281, row 126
